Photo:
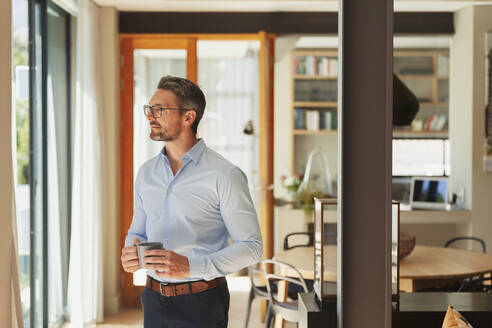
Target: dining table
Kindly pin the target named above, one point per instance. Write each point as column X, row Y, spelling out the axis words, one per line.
column 424, row 265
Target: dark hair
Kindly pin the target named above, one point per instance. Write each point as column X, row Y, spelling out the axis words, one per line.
column 190, row 96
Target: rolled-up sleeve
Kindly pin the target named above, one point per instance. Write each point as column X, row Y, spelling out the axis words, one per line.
column 137, row 228
column 241, row 221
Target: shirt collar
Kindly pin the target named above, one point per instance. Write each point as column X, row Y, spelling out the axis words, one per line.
column 194, row 153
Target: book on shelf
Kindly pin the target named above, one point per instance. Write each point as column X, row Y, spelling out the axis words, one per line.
column 322, row 66
column 327, row 120
column 330, row 120
column 443, row 65
column 310, row 63
column 333, row 67
column 315, row 65
column 312, row 122
column 327, row 66
column 436, row 122
column 299, row 119
column 299, row 63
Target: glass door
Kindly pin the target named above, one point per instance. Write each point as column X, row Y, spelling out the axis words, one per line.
column 50, row 161
column 58, row 119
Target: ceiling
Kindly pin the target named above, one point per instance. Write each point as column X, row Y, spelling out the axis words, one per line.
column 275, row 5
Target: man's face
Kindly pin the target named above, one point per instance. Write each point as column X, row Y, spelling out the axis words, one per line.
column 169, row 126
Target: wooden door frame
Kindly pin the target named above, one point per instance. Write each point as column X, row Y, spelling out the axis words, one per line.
column 130, row 42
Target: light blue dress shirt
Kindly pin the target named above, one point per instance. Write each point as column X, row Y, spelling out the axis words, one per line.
column 195, row 211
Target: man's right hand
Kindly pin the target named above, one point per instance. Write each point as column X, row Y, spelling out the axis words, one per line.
column 129, row 257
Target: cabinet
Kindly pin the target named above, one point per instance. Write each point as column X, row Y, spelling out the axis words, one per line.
column 315, row 89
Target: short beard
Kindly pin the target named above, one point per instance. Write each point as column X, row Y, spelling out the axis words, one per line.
column 161, row 136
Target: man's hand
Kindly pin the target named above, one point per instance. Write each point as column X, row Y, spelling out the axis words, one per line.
column 167, row 264
column 129, row 257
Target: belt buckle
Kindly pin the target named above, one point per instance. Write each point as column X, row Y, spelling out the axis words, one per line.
column 160, row 287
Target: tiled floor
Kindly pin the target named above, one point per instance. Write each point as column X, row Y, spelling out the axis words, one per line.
column 128, row 318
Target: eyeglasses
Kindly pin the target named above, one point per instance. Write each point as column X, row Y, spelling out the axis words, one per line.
column 156, row 110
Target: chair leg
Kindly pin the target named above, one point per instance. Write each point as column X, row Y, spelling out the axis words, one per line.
column 269, row 317
column 248, row 307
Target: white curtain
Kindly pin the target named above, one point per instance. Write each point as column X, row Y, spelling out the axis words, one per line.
column 85, row 287
column 16, row 303
column 55, row 290
column 17, row 320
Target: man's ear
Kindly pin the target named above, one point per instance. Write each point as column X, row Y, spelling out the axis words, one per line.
column 189, row 117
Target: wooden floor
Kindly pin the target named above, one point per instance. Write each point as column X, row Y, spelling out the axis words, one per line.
column 128, row 318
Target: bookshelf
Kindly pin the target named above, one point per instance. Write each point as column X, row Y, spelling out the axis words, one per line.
column 314, row 103
column 426, row 73
column 314, row 97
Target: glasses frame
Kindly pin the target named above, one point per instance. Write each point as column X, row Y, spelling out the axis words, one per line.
column 153, row 109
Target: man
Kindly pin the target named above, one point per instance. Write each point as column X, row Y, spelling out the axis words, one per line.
column 191, row 199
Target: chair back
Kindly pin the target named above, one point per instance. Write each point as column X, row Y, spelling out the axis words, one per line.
column 256, row 278
column 478, row 240
column 296, row 279
column 305, row 237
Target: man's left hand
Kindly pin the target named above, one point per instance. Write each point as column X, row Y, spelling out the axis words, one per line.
column 167, row 264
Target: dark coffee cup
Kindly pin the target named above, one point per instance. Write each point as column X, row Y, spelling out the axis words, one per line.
column 141, row 248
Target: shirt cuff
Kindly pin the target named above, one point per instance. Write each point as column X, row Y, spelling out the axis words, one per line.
column 130, row 238
column 197, row 266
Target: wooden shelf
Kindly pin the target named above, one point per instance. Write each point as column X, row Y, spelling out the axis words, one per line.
column 315, row 104
column 420, row 134
column 435, row 217
column 314, row 77
column 415, row 76
column 291, row 215
column 316, row 52
column 310, row 132
column 432, row 104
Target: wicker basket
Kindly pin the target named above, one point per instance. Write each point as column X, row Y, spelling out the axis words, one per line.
column 407, row 244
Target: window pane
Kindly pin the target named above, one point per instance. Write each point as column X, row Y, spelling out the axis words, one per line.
column 58, row 162
column 421, row 157
column 38, row 177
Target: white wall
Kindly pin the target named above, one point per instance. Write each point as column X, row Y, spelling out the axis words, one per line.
column 467, row 98
column 109, row 50
column 461, row 85
column 481, row 181
column 6, row 178
column 283, row 120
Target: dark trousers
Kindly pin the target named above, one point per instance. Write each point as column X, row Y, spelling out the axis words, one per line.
column 208, row 309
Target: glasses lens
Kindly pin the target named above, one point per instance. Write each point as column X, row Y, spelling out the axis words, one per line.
column 156, row 111
column 146, row 109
